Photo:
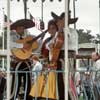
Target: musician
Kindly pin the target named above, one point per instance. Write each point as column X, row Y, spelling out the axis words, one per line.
column 59, row 47
column 51, row 76
column 59, row 51
column 52, row 30
column 18, row 32
column 43, row 80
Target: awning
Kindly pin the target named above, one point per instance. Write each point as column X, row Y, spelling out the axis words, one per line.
column 37, row 0
column 25, row 4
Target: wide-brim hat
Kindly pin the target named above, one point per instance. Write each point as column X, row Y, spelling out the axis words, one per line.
column 70, row 20
column 26, row 23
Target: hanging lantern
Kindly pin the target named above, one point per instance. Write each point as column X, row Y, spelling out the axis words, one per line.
column 51, row 0
column 34, row 0
column 17, row 0
column 43, row 0
column 41, row 25
column 59, row 0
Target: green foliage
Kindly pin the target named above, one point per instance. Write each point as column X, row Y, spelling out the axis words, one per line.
column 84, row 37
column 5, row 40
column 97, row 38
column 0, row 42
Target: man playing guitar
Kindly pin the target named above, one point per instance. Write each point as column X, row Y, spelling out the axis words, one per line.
column 17, row 40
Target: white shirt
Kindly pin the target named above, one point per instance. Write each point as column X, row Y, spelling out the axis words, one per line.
column 97, row 66
column 50, row 42
column 37, row 67
column 13, row 37
column 73, row 40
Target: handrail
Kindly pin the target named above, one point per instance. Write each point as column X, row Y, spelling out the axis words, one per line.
column 45, row 71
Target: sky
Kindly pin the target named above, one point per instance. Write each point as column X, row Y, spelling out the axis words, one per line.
column 87, row 12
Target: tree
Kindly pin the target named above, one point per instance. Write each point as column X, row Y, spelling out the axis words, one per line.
column 96, row 39
column 84, row 37
column 0, row 42
column 5, row 40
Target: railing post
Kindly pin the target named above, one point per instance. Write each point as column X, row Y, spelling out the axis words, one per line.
column 8, row 50
column 66, row 50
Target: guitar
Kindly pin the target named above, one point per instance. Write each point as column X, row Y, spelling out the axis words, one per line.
column 29, row 44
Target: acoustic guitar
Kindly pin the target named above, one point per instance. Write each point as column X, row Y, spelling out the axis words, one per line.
column 29, row 44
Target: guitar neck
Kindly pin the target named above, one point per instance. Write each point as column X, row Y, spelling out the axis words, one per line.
column 35, row 38
column 43, row 33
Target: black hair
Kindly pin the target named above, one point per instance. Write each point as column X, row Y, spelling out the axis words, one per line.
column 97, row 54
column 52, row 22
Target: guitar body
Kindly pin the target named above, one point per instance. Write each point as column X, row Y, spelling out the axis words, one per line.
column 29, row 44
column 34, row 44
column 26, row 51
column 21, row 54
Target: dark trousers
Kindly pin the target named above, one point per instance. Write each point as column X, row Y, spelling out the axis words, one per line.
column 60, row 82
column 60, row 79
column 23, row 67
column 97, row 95
column 2, row 87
